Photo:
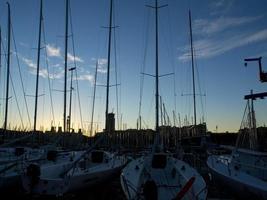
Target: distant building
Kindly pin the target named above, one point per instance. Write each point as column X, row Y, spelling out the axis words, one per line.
column 110, row 123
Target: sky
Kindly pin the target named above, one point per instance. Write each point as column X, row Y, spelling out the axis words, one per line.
column 224, row 33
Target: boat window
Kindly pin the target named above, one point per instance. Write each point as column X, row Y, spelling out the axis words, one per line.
column 97, row 156
column 159, row 161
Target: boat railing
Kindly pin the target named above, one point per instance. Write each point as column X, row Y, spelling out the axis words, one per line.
column 253, row 169
column 18, row 165
column 250, row 165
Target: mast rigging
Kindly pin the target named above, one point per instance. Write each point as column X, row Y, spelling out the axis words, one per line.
column 66, row 64
column 38, row 64
column 193, row 70
column 8, row 65
column 108, row 64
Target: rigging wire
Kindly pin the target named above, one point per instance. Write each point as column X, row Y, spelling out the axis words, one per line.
column 16, row 99
column 48, row 75
column 143, row 65
column 19, row 67
column 171, row 55
column 242, row 125
column 3, row 87
column 188, row 85
column 1, row 44
column 116, row 72
column 14, row 91
column 75, row 65
column 199, row 87
column 93, row 103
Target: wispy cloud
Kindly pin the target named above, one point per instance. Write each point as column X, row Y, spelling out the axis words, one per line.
column 42, row 71
column 217, row 3
column 211, row 26
column 102, row 61
column 57, row 75
column 28, row 62
column 53, row 51
column 221, row 7
column 23, row 44
column 74, row 58
column 102, row 65
column 55, row 65
column 86, row 77
column 206, row 48
column 44, row 74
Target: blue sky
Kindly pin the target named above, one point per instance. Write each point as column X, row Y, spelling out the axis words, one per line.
column 224, row 33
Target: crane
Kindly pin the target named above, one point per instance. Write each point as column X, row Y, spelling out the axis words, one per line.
column 263, row 75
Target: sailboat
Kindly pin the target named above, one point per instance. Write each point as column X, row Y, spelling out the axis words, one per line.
column 85, row 169
column 244, row 171
column 10, row 158
column 159, row 175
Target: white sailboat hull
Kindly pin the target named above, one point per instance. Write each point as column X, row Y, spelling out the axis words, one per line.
column 168, row 180
column 238, row 182
column 76, row 179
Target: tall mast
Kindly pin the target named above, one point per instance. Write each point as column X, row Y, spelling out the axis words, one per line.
column 38, row 65
column 71, row 88
column 157, row 71
column 66, row 64
column 193, row 69
column 108, row 67
column 0, row 51
column 8, row 64
column 93, row 108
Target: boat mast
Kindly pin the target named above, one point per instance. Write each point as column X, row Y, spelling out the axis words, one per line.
column 71, row 88
column 8, row 64
column 108, row 64
column 193, row 70
column 157, row 71
column 38, row 65
column 0, row 51
column 66, row 64
column 93, row 108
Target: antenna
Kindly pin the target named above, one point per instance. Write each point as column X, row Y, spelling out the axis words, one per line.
column 263, row 75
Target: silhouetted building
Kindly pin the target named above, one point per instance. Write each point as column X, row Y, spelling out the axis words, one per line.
column 111, row 123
